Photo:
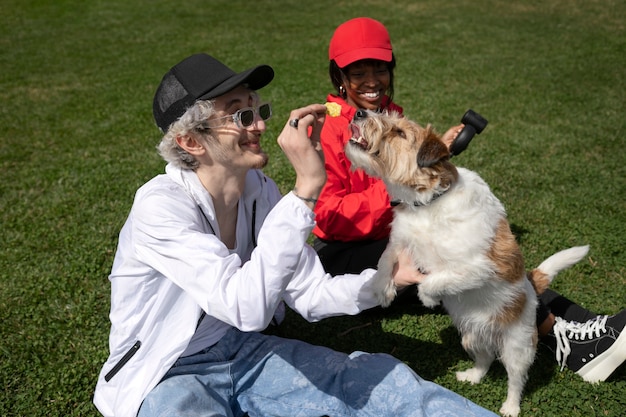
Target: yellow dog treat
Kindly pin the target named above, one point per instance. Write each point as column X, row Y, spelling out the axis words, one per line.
column 333, row 109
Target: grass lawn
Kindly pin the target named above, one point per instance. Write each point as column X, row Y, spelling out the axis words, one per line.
column 76, row 85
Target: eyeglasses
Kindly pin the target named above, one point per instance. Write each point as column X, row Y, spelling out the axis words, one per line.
column 245, row 117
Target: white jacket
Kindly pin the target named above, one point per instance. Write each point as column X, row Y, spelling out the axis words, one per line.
column 170, row 265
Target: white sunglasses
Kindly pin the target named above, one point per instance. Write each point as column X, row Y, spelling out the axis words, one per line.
column 245, row 117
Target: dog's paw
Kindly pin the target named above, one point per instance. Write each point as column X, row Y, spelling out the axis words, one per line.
column 387, row 295
column 472, row 375
column 384, row 288
column 510, row 410
column 427, row 300
column 384, row 301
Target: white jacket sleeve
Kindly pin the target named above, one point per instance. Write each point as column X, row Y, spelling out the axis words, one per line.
column 170, row 234
column 315, row 294
column 309, row 290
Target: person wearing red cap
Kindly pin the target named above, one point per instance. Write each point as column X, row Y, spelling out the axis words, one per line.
column 353, row 214
column 208, row 254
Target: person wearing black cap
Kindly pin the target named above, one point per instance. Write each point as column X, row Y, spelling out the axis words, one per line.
column 209, row 253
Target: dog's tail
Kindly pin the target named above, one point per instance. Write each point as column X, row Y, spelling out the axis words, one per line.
column 542, row 276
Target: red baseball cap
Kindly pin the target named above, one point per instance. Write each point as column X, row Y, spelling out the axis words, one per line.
column 360, row 38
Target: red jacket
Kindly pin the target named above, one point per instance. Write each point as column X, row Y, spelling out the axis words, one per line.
column 352, row 206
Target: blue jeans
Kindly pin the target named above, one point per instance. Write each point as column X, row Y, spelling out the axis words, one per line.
column 270, row 376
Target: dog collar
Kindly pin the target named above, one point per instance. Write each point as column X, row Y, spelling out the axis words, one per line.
column 395, row 203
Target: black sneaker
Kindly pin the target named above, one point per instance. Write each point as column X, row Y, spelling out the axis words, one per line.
column 593, row 349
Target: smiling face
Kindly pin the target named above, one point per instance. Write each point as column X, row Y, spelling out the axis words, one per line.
column 231, row 144
column 366, row 83
column 411, row 159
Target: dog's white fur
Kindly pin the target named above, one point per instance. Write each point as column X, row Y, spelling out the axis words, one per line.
column 456, row 231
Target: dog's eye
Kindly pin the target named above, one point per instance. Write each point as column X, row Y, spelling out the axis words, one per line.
column 400, row 133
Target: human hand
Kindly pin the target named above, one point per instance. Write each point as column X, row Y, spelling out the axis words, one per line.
column 304, row 150
column 451, row 134
column 405, row 272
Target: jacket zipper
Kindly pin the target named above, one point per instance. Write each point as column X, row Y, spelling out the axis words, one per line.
column 127, row 356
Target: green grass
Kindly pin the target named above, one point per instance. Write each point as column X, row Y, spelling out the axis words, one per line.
column 77, row 139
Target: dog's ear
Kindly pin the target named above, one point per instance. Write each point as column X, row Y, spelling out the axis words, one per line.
column 432, row 151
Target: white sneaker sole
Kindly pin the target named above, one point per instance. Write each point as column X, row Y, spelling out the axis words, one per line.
column 603, row 366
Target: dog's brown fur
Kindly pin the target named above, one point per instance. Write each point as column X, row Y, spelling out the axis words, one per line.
column 457, row 232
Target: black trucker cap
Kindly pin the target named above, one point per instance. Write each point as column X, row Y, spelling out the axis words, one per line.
column 200, row 77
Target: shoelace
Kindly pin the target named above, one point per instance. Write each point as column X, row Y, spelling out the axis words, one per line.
column 565, row 330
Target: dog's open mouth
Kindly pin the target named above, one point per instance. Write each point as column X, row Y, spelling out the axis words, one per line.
column 357, row 139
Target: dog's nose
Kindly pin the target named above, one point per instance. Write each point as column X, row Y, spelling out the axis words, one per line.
column 360, row 115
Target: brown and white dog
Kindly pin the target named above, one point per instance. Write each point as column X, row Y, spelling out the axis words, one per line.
column 456, row 231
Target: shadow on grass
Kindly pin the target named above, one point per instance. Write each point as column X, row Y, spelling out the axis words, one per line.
column 423, row 338
column 391, row 330
column 519, row 232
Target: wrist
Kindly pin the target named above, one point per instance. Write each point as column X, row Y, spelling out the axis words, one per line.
column 310, row 200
